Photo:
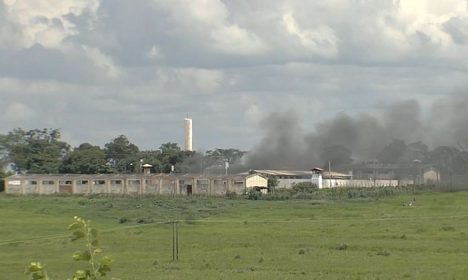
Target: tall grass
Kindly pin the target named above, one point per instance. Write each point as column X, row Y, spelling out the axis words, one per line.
column 355, row 193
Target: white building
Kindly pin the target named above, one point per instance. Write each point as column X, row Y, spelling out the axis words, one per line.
column 325, row 179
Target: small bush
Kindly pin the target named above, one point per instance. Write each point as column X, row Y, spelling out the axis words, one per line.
column 343, row 246
column 384, row 253
column 81, row 202
column 254, row 194
column 144, row 220
column 123, row 220
column 231, row 195
column 448, row 228
column 304, row 187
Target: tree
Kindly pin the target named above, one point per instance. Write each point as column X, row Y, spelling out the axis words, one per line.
column 448, row 160
column 230, row 155
column 195, row 163
column 171, row 154
column 3, row 175
column 272, row 183
column 86, row 159
column 415, row 151
column 3, row 164
column 153, row 158
column 34, row 151
column 122, row 154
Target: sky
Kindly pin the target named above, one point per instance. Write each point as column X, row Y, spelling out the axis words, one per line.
column 98, row 69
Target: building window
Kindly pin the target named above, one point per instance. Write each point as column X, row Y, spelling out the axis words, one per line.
column 68, row 183
column 116, row 182
column 82, row 182
column 238, row 182
column 33, row 182
column 99, row 182
column 203, row 182
column 134, row 182
column 48, row 182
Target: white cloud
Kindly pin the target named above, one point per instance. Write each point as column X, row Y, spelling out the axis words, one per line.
column 204, row 80
column 46, row 22
column 155, row 53
column 104, row 62
column 209, row 19
column 321, row 40
column 421, row 22
column 232, row 39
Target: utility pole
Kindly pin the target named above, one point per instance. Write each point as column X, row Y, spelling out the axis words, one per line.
column 175, row 240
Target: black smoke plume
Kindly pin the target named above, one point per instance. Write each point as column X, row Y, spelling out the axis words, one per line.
column 346, row 138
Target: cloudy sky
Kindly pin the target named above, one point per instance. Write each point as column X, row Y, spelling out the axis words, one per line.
column 98, row 69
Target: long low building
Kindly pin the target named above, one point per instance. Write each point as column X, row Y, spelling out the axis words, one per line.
column 132, row 184
column 325, row 179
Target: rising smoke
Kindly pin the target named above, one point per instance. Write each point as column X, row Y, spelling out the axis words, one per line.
column 286, row 146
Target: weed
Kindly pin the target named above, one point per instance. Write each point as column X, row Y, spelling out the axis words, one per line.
column 123, row 220
column 342, row 246
column 448, row 228
column 383, row 252
column 144, row 220
column 97, row 268
column 231, row 195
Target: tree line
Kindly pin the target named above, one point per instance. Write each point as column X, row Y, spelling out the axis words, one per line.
column 43, row 151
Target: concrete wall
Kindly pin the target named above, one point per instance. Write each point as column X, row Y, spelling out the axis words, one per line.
column 237, row 186
column 288, row 183
column 137, row 184
column 333, row 183
column 168, row 187
column 152, row 186
column 203, row 186
column 163, row 184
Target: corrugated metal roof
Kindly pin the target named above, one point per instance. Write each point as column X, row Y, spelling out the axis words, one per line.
column 286, row 173
column 335, row 175
column 283, row 172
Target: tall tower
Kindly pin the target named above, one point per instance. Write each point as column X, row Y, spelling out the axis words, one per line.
column 188, row 134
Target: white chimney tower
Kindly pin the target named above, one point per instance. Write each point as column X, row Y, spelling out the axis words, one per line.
column 188, row 134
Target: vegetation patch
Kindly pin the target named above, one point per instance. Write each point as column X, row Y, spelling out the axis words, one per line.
column 349, row 237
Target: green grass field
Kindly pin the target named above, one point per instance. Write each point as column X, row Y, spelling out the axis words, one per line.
column 244, row 239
